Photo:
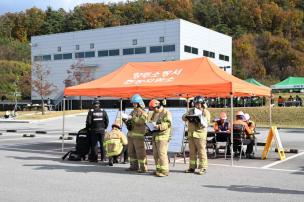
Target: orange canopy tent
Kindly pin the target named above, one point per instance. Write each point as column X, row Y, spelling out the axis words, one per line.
column 185, row 78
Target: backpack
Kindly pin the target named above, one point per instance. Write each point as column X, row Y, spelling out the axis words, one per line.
column 82, row 146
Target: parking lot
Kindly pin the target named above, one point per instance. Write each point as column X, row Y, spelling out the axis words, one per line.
column 32, row 170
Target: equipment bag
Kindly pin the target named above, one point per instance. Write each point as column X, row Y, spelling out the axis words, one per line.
column 83, row 143
column 82, row 147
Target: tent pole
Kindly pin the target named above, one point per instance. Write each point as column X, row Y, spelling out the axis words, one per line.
column 231, row 117
column 120, row 108
column 270, row 113
column 63, row 130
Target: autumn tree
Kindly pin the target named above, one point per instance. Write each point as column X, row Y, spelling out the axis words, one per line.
column 40, row 83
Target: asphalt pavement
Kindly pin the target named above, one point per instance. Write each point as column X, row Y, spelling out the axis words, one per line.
column 31, row 169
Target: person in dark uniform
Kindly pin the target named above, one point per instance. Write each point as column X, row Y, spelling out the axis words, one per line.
column 97, row 122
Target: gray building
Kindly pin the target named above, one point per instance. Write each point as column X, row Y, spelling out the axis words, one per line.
column 78, row 56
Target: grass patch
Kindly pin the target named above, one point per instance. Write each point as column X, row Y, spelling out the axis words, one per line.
column 285, row 117
column 37, row 115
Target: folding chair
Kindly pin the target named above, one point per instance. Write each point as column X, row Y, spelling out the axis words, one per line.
column 239, row 138
column 211, row 144
column 222, row 137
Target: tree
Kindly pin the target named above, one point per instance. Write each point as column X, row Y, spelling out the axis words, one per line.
column 40, row 83
column 77, row 74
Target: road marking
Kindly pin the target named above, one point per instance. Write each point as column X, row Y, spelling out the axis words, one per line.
column 278, row 162
column 33, row 150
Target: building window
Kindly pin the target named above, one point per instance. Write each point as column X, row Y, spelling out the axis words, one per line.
column 90, row 54
column 169, row 48
column 222, row 57
column 194, row 50
column 187, row 49
column 227, row 58
column 161, row 39
column 128, row 51
column 37, row 58
column 91, row 46
column 79, row 55
column 206, row 53
column 156, row 49
column 134, row 41
column 46, row 57
column 57, row 56
column 114, row 52
column 211, row 54
column 67, row 56
column 77, row 47
column 103, row 53
column 59, row 48
column 141, row 50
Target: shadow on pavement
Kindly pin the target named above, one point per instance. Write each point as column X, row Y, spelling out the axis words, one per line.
column 77, row 166
column 256, row 189
column 300, row 173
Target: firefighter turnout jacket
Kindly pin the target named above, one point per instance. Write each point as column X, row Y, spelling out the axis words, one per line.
column 113, row 142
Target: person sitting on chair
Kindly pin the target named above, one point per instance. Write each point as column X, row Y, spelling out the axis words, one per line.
column 223, row 125
column 240, row 120
column 115, row 143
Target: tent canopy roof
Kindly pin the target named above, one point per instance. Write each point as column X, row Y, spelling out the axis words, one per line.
column 185, row 78
column 290, row 83
column 253, row 81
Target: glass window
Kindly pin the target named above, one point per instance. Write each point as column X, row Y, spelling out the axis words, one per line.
column 91, row 46
column 37, row 58
column 161, row 39
column 46, row 57
column 134, row 42
column 67, row 56
column 77, row 47
column 226, row 58
column 211, row 54
column 221, row 57
column 206, row 53
column 169, row 48
column 156, row 49
column 59, row 48
column 187, row 49
column 57, row 56
column 90, row 54
column 140, row 50
column 79, row 55
column 114, row 52
column 103, row 53
column 128, row 51
column 194, row 50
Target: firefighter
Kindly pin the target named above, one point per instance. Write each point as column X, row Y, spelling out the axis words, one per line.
column 162, row 120
column 197, row 136
column 136, row 124
column 97, row 122
column 115, row 143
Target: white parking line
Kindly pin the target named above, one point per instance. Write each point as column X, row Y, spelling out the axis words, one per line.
column 278, row 162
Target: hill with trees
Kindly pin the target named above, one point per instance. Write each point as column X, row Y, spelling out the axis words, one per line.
column 268, row 35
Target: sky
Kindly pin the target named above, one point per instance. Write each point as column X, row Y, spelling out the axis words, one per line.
column 21, row 5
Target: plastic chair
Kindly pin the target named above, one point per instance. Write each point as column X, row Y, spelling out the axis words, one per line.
column 239, row 138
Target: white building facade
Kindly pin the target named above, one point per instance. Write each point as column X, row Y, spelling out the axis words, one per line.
column 95, row 53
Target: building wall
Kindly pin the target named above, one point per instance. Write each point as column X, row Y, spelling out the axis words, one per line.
column 199, row 37
column 177, row 32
